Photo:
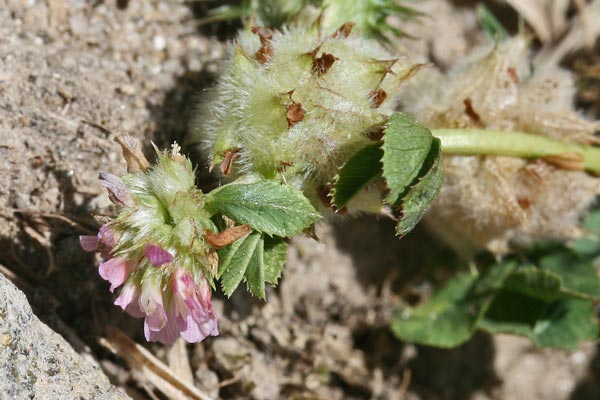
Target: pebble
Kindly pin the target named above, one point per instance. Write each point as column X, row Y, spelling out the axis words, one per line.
column 159, row 42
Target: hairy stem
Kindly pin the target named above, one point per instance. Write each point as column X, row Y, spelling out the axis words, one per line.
column 514, row 144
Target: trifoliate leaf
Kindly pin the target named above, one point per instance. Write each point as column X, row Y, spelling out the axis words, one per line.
column 420, row 195
column 267, row 206
column 256, row 259
column 562, row 324
column 361, row 170
column 406, row 146
column 548, row 297
column 448, row 319
column 236, row 258
column 275, row 256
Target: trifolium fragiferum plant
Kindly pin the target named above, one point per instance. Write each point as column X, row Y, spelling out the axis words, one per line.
column 316, row 117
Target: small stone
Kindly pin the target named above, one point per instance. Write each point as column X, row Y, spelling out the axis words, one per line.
column 159, row 43
column 36, row 362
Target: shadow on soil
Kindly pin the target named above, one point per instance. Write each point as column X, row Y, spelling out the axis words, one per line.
column 589, row 387
column 380, row 258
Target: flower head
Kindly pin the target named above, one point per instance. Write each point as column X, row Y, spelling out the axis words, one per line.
column 299, row 104
column 156, row 247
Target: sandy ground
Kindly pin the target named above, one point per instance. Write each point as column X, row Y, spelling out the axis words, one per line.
column 75, row 74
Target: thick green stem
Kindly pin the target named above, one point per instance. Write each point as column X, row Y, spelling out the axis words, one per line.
column 513, row 144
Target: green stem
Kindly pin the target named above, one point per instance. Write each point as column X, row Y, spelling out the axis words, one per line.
column 512, row 144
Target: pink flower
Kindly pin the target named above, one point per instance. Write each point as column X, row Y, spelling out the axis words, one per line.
column 193, row 309
column 104, row 241
column 187, row 311
column 157, row 255
column 167, row 334
column 106, row 237
column 116, row 271
column 117, row 191
column 129, row 300
column 89, row 242
column 151, row 303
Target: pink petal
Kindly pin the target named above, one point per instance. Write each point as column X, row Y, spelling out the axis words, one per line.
column 116, row 270
column 107, row 237
column 192, row 302
column 117, row 191
column 128, row 300
column 106, row 241
column 88, row 242
column 197, row 332
column 157, row 255
column 156, row 320
column 151, row 303
column 207, row 321
column 192, row 332
column 167, row 334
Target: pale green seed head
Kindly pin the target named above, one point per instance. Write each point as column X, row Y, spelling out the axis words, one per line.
column 295, row 105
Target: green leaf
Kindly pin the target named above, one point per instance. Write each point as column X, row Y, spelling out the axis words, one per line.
column 236, row 259
column 267, row 206
column 562, row 324
column 589, row 246
column 361, row 170
column 548, row 298
column 420, row 195
column 592, row 222
column 256, row 259
column 406, row 146
column 226, row 256
column 578, row 275
column 275, row 256
column 566, row 324
column 255, row 273
column 533, row 282
column 448, row 319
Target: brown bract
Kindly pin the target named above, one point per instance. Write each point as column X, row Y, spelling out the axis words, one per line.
column 471, row 113
column 343, row 31
column 377, row 97
column 263, row 55
column 295, row 113
column 229, row 157
column 132, row 152
column 322, row 64
column 227, row 236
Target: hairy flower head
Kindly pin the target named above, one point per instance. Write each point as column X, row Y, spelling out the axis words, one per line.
column 157, row 247
column 298, row 104
column 492, row 201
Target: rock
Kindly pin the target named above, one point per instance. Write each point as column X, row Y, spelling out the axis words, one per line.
column 36, row 362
